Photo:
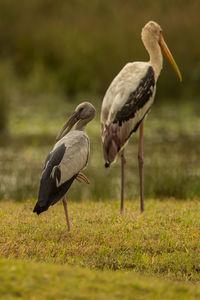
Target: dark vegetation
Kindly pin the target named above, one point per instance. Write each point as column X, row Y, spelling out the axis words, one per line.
column 78, row 46
column 56, row 54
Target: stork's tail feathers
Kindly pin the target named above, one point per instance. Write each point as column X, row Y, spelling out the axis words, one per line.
column 111, row 143
column 38, row 209
column 107, row 164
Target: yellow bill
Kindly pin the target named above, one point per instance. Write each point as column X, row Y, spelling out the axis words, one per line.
column 168, row 55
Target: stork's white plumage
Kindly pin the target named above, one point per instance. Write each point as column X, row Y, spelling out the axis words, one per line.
column 75, row 158
column 129, row 99
column 65, row 161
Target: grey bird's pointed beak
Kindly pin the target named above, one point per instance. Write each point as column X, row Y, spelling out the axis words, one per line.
column 73, row 119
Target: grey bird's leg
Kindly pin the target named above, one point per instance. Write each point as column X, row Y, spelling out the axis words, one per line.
column 82, row 177
column 64, row 200
column 123, row 161
column 141, row 163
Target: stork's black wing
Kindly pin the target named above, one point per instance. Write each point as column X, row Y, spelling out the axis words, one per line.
column 137, row 99
column 49, row 192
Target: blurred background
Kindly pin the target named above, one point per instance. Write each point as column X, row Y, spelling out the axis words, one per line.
column 55, row 54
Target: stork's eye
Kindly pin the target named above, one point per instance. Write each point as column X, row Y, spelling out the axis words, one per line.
column 81, row 109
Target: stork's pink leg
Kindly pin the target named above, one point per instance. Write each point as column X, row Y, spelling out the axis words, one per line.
column 66, row 212
column 141, row 163
column 81, row 176
column 123, row 161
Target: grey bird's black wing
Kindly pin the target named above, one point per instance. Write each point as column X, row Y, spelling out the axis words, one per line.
column 49, row 191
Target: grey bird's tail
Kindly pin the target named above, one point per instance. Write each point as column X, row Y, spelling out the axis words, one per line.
column 38, row 209
column 49, row 193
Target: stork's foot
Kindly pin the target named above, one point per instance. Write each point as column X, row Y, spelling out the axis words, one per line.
column 81, row 177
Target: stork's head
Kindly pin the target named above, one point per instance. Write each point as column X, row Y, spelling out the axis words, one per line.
column 83, row 113
column 151, row 31
column 152, row 36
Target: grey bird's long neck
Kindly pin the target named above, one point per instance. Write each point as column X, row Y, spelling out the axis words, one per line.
column 81, row 125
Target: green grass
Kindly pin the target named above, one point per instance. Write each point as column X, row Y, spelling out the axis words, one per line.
column 26, row 280
column 150, row 256
column 162, row 242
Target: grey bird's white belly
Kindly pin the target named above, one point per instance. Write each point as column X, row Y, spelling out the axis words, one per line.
column 76, row 154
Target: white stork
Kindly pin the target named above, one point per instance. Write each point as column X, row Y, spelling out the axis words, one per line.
column 128, row 100
column 67, row 158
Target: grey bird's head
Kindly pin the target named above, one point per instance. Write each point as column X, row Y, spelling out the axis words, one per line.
column 83, row 114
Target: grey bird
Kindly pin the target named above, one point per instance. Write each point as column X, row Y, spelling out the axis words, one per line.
column 65, row 161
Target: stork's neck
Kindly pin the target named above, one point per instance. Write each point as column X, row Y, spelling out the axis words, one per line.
column 155, row 54
column 80, row 126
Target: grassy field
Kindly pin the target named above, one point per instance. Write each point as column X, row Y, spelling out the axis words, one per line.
column 143, row 250
column 27, row 280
